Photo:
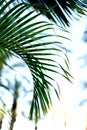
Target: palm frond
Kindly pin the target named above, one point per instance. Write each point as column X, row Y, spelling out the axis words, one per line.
column 23, row 34
column 58, row 10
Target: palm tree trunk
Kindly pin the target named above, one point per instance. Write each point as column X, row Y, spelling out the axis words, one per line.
column 0, row 124
column 13, row 118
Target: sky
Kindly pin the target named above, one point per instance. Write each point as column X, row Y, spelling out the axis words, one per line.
column 72, row 94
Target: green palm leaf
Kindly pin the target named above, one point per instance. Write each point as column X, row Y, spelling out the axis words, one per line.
column 58, row 10
column 23, row 34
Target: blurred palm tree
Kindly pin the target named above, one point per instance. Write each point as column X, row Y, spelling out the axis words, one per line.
column 24, row 32
column 15, row 89
column 16, row 95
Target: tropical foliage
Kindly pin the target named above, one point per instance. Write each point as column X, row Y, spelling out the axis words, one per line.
column 59, row 11
column 26, row 34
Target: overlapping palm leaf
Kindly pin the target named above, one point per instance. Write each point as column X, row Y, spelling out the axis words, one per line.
column 58, row 10
column 23, row 33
